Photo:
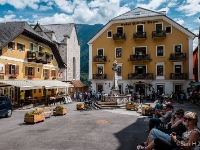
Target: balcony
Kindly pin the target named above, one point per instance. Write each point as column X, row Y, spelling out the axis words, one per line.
column 145, row 76
column 99, row 76
column 139, row 35
column 31, row 56
column 159, row 34
column 100, row 59
column 40, row 57
column 119, row 37
column 177, row 57
column 143, row 57
column 178, row 76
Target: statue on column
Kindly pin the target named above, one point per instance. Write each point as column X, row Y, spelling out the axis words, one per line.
column 115, row 79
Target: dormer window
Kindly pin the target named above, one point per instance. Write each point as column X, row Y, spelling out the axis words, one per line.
column 137, row 13
column 20, row 47
column 11, row 45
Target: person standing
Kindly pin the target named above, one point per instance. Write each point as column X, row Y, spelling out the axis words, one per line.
column 21, row 98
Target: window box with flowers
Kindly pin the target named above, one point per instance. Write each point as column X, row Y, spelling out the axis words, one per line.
column 13, row 76
column 41, row 53
column 30, row 76
column 46, row 77
column 54, row 77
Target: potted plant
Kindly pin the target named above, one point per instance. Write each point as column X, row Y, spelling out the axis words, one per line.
column 80, row 106
column 41, row 53
column 60, row 110
column 132, row 106
column 13, row 76
column 34, row 116
column 30, row 76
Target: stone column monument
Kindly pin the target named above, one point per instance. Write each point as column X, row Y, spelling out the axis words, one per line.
column 115, row 87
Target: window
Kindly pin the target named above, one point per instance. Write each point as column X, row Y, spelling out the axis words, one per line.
column 119, row 71
column 120, row 30
column 30, row 70
column 109, row 34
column 1, row 68
column 140, row 50
column 11, row 46
column 168, row 29
column 53, row 73
column 177, row 48
column 20, row 46
column 100, row 70
column 140, row 69
column 137, row 13
column 159, row 70
column 40, row 48
column 38, row 69
column 139, row 28
column 158, row 27
column 118, row 52
column 74, row 67
column 100, row 52
column 12, row 69
column 33, row 47
column 46, row 72
column 2, row 100
column 160, row 51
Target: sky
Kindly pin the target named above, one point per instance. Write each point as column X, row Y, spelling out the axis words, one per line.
column 185, row 12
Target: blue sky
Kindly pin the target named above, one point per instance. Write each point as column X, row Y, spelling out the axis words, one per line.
column 185, row 12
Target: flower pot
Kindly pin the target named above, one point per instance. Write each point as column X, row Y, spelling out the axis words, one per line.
column 60, row 111
column 145, row 111
column 80, row 106
column 34, row 118
column 131, row 107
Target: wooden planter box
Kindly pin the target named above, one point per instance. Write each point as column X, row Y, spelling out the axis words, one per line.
column 106, row 103
column 80, row 106
column 131, row 107
column 61, row 111
column 35, row 118
column 145, row 111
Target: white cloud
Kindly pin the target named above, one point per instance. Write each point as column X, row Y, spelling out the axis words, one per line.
column 179, row 20
column 11, row 17
column 55, row 19
column 189, row 7
column 44, row 8
column 9, row 12
column 172, row 3
column 66, row 6
column 21, row 4
column 153, row 4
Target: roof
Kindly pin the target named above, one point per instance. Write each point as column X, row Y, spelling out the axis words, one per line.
column 77, row 83
column 10, row 30
column 60, row 30
column 139, row 14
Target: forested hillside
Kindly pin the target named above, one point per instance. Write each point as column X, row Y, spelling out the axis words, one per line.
column 85, row 33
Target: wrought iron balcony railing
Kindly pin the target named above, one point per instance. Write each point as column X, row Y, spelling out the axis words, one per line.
column 143, row 57
column 177, row 56
column 178, row 76
column 140, row 76
column 119, row 37
column 159, row 34
column 100, row 58
column 31, row 56
column 139, row 35
column 99, row 76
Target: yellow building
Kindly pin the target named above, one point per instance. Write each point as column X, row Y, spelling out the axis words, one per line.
column 29, row 60
column 153, row 52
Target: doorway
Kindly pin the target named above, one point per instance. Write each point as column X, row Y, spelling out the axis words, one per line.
column 140, row 88
column 140, row 69
column 177, row 88
column 28, row 93
column 178, row 69
column 100, row 87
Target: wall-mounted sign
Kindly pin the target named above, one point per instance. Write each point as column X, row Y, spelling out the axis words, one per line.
column 139, row 22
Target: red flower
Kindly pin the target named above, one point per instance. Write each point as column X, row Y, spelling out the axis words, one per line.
column 31, row 76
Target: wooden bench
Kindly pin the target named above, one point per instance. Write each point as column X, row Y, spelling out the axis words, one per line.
column 46, row 110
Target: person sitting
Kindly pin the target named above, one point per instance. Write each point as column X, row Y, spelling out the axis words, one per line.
column 157, row 107
column 165, row 118
column 177, row 127
column 188, row 140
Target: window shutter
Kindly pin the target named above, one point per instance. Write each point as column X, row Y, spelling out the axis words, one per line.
column 52, row 73
column 17, row 69
column 26, row 71
column 33, row 71
column 43, row 72
column 7, row 68
column 13, row 45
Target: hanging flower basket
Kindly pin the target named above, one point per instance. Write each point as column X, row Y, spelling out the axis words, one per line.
column 13, row 76
column 30, row 76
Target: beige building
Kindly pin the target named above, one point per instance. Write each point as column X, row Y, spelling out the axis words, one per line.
column 153, row 52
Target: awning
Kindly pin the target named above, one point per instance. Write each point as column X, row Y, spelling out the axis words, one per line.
column 51, row 84
column 77, row 83
column 195, row 84
column 22, row 84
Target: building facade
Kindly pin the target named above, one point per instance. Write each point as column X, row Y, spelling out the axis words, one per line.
column 29, row 61
column 65, row 36
column 153, row 52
